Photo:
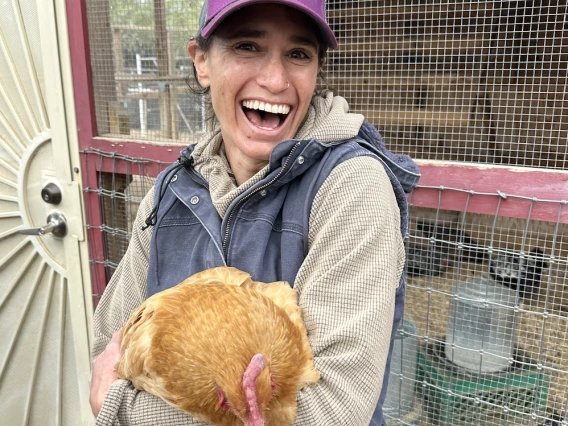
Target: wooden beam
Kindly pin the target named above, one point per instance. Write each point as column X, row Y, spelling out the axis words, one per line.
column 416, row 117
column 519, row 192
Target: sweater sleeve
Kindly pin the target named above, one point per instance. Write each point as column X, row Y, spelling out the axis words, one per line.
column 127, row 287
column 123, row 404
column 346, row 288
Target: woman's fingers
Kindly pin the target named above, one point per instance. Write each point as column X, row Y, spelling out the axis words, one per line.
column 104, row 372
column 116, row 340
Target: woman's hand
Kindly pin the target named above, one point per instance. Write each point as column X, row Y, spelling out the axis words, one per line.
column 104, row 373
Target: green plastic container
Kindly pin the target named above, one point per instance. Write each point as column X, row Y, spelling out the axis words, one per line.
column 455, row 396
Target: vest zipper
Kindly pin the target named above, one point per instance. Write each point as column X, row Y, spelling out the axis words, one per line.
column 195, row 180
column 260, row 188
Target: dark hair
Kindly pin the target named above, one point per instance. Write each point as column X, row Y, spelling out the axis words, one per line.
column 205, row 44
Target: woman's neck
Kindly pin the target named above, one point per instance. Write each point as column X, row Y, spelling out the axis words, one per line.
column 243, row 167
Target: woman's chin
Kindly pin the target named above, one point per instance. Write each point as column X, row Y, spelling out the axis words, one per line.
column 255, row 142
column 259, row 149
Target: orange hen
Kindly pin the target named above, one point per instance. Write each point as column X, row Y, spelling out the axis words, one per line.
column 222, row 347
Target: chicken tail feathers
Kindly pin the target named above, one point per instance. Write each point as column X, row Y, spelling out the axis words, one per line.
column 310, row 375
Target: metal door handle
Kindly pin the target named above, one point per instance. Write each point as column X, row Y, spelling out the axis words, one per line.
column 56, row 225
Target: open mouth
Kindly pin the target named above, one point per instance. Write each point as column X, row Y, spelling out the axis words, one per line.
column 264, row 115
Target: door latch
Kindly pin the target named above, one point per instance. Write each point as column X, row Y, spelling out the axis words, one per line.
column 56, row 225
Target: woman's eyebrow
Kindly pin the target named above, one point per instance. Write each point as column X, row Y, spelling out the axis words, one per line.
column 260, row 34
column 247, row 33
column 304, row 40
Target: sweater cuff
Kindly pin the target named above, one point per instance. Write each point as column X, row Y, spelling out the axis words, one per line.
column 108, row 416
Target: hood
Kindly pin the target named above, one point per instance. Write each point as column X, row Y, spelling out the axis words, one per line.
column 402, row 165
column 329, row 120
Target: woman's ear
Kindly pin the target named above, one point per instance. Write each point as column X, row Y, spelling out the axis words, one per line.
column 322, row 63
column 199, row 59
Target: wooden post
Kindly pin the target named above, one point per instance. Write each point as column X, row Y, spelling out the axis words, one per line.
column 101, row 44
column 119, row 59
column 162, row 56
column 172, row 89
column 114, row 211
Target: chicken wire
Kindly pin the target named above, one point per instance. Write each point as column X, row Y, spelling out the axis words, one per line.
column 141, row 69
column 528, row 385
column 118, row 197
column 470, row 81
column 443, row 248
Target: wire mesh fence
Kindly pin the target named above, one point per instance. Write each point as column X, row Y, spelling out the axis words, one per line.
column 115, row 200
column 486, row 295
column 473, row 81
column 485, row 336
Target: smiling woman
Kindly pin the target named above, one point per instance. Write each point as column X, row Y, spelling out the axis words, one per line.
column 288, row 186
column 263, row 60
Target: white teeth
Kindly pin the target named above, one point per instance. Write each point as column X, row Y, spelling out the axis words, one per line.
column 265, row 106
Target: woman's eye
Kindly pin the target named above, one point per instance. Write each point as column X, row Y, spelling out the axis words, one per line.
column 298, row 54
column 247, row 47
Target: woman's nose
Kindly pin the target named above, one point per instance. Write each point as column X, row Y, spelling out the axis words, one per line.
column 273, row 75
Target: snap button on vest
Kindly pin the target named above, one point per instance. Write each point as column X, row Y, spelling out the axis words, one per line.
column 174, row 178
column 300, row 160
column 194, row 200
column 263, row 192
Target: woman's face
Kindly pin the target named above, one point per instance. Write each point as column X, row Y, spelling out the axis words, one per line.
column 262, row 69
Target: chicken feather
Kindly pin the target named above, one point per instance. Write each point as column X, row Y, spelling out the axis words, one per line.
column 192, row 343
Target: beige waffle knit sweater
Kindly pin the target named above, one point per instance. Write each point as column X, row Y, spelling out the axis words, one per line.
column 346, row 284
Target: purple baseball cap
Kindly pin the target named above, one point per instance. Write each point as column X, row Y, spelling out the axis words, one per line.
column 214, row 11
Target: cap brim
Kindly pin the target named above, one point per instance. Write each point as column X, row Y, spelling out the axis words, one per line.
column 208, row 29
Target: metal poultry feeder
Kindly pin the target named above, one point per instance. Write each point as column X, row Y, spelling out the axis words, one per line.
column 480, row 334
column 470, row 376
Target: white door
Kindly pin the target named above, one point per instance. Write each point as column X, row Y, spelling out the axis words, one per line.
column 45, row 296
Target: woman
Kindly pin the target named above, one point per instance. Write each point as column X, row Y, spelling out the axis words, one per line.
column 289, row 186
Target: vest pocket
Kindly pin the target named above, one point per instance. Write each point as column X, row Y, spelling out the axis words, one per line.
column 178, row 221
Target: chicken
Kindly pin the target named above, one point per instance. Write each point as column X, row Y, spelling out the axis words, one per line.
column 426, row 260
column 514, row 270
column 222, row 347
column 457, row 244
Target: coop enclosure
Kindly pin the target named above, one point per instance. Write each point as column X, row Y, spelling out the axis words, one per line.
column 476, row 91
